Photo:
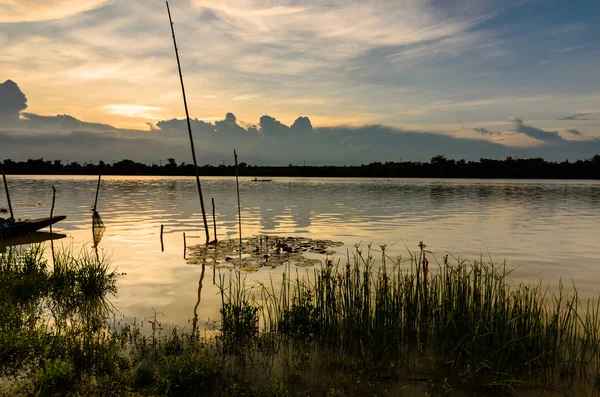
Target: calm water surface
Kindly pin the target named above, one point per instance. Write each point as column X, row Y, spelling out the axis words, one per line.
column 545, row 229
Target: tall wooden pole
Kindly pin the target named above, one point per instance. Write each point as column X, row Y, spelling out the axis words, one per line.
column 8, row 196
column 51, row 238
column 189, row 127
column 214, row 219
column 237, row 184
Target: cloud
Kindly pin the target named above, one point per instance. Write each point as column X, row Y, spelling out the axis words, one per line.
column 61, row 122
column 85, row 145
column 580, row 116
column 246, row 97
column 302, row 124
column 575, row 132
column 533, row 132
column 12, row 11
column 12, row 102
column 291, row 39
column 485, row 131
column 268, row 142
column 229, row 126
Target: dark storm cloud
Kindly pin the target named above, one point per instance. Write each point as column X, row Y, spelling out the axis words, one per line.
column 229, row 126
column 536, row 133
column 12, row 102
column 271, row 126
column 302, row 124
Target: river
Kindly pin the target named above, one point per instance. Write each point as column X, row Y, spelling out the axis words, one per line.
column 546, row 230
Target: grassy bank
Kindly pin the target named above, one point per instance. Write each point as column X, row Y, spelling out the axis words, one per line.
column 361, row 327
column 463, row 322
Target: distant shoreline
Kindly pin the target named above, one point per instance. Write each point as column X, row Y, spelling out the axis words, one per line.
column 438, row 167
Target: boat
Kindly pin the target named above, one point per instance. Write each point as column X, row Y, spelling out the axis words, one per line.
column 28, row 226
column 261, row 180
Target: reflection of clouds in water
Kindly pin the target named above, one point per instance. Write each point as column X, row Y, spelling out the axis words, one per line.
column 174, row 201
column 540, row 226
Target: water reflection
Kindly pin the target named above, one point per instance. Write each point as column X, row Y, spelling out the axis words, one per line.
column 195, row 321
column 547, row 229
column 31, row 238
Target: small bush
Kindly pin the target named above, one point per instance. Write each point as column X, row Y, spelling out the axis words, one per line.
column 239, row 322
column 54, row 377
column 193, row 373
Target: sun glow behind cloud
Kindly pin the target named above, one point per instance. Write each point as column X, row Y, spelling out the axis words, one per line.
column 138, row 111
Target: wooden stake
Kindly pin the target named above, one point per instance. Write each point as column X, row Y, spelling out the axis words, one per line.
column 8, row 196
column 162, row 246
column 189, row 128
column 52, row 239
column 214, row 219
column 184, row 246
column 237, row 184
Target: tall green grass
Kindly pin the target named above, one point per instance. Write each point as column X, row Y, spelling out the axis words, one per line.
column 464, row 318
column 52, row 312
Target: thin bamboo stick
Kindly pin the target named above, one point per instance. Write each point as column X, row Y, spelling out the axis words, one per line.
column 187, row 115
column 237, row 184
column 8, row 196
column 97, row 191
column 51, row 238
column 214, row 219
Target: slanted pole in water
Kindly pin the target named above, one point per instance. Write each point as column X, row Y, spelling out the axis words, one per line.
column 8, row 196
column 237, row 185
column 187, row 115
column 97, row 224
column 51, row 239
column 97, row 191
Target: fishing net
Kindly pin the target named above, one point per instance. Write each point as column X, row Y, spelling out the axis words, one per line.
column 97, row 228
column 97, row 221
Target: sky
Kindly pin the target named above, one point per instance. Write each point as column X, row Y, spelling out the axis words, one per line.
column 329, row 82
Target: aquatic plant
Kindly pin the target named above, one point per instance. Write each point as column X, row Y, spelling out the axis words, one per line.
column 464, row 319
column 42, row 311
column 358, row 327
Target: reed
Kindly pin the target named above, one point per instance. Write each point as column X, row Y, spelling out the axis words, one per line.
column 465, row 319
column 358, row 327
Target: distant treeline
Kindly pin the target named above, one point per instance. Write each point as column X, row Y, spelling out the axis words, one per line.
column 438, row 167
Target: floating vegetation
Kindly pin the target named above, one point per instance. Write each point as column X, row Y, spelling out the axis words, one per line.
column 259, row 251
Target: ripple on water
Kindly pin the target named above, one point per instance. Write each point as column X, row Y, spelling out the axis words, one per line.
column 544, row 228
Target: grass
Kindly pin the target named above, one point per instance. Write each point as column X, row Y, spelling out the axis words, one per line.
column 358, row 327
column 464, row 320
